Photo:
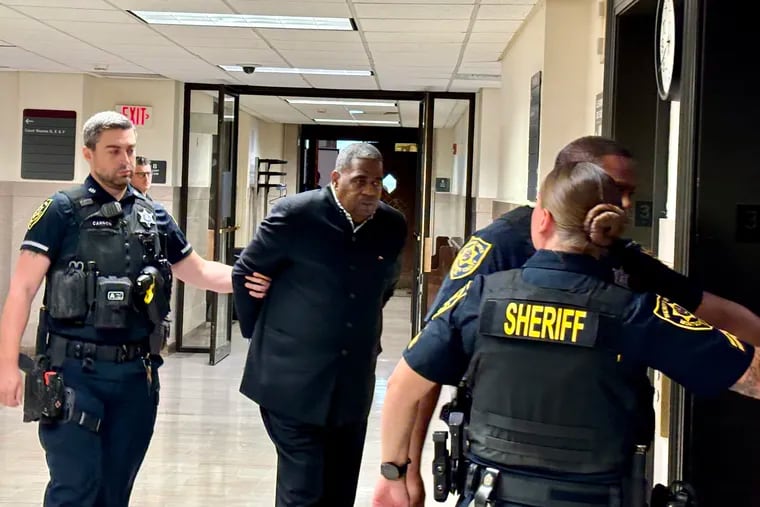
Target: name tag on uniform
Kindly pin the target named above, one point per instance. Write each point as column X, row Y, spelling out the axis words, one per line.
column 537, row 321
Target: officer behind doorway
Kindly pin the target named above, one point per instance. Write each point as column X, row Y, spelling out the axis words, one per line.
column 556, row 355
column 95, row 245
column 505, row 244
column 333, row 256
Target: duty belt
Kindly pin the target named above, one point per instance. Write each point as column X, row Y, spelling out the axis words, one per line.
column 492, row 487
column 61, row 347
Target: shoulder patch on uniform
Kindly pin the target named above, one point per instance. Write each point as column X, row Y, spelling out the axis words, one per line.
column 733, row 340
column 37, row 215
column 452, row 301
column 678, row 316
column 469, row 258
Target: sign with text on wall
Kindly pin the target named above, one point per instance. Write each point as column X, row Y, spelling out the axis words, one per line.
column 48, row 144
column 158, row 168
column 140, row 116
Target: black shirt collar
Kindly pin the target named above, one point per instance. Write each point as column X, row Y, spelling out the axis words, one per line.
column 99, row 194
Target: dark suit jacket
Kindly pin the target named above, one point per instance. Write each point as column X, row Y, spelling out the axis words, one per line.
column 316, row 334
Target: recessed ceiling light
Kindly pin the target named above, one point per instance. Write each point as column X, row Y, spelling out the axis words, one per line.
column 244, row 20
column 373, row 122
column 294, row 70
column 327, row 102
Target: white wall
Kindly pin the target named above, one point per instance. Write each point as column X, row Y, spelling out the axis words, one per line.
column 85, row 95
column 559, row 38
column 523, row 58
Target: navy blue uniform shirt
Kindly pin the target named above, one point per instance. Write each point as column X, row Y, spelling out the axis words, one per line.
column 703, row 359
column 53, row 229
column 505, row 244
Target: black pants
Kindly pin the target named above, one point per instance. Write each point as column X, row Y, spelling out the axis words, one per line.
column 98, row 468
column 317, row 466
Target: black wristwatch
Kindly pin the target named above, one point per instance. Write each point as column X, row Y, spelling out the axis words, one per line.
column 392, row 471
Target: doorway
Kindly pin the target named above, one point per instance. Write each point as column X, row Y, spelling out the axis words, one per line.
column 220, row 213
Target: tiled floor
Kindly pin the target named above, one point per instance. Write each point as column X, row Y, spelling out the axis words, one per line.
column 210, row 447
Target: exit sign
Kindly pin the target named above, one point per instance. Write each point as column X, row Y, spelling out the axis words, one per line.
column 141, row 116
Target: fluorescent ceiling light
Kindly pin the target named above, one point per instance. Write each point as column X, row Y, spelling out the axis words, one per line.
column 355, row 111
column 328, row 102
column 244, row 20
column 295, row 70
column 374, row 122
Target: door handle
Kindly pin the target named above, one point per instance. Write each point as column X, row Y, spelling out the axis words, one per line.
column 229, row 229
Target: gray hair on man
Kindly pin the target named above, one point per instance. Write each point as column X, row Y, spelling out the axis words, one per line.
column 99, row 122
column 356, row 150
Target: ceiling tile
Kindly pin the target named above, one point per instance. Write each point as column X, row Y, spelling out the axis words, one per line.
column 209, row 6
column 399, row 36
column 481, row 38
column 508, row 2
column 501, row 26
column 274, row 34
column 17, row 58
column 225, row 56
column 414, row 25
column 286, row 80
column 74, row 4
column 426, row 2
column 385, row 11
column 6, row 12
column 89, row 15
column 481, row 68
column 330, row 47
column 511, row 12
column 343, row 82
column 289, row 8
column 467, row 85
column 404, row 47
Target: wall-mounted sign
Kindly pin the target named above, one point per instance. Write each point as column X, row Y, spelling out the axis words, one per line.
column 598, row 112
column 158, row 168
column 48, row 144
column 443, row 185
column 141, row 116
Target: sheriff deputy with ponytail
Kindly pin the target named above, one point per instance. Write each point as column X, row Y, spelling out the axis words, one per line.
column 555, row 355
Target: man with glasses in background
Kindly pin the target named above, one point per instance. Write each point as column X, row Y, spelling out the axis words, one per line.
column 143, row 176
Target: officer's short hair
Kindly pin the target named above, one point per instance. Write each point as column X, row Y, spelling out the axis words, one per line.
column 573, row 193
column 140, row 160
column 590, row 149
column 99, row 122
column 356, row 150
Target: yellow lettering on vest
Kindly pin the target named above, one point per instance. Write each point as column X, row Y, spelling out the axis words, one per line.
column 547, row 324
column 523, row 319
column 509, row 324
column 567, row 324
column 578, row 325
column 535, row 320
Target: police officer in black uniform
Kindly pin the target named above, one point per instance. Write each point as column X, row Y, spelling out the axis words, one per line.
column 505, row 244
column 108, row 256
column 556, row 355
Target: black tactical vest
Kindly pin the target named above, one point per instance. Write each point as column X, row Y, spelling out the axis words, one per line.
column 547, row 391
column 118, row 277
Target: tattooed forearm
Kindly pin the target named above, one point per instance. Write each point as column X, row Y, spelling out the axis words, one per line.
column 749, row 383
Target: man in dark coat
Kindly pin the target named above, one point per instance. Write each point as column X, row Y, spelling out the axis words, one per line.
column 334, row 257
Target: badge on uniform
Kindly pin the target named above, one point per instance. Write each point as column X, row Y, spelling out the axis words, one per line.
column 679, row 316
column 37, row 215
column 469, row 258
column 145, row 217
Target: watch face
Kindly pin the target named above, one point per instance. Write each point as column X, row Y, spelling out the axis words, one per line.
column 389, row 471
column 667, row 44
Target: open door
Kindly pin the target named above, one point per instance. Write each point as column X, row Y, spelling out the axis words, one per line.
column 444, row 217
column 207, row 215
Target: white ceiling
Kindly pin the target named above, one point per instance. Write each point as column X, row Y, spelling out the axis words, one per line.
column 276, row 109
column 409, row 44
